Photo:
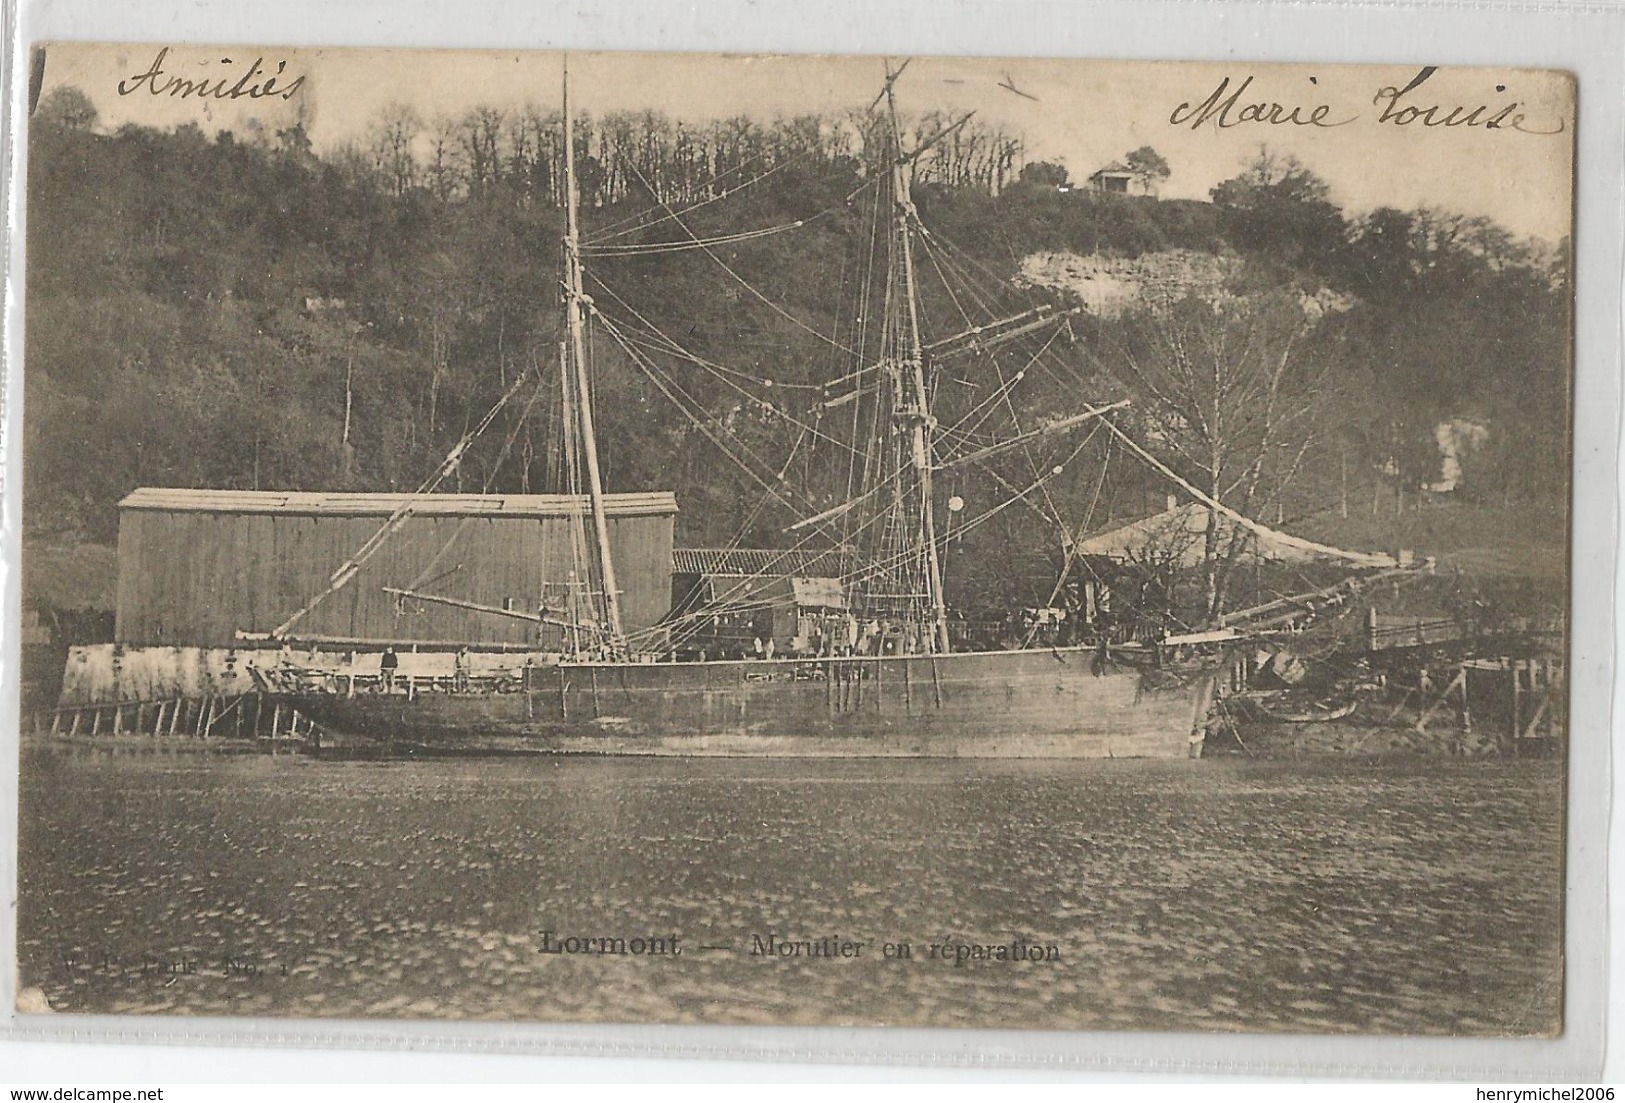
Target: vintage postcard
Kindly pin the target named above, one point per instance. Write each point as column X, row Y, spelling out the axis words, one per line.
column 690, row 539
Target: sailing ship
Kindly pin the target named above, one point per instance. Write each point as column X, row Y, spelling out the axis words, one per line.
column 886, row 675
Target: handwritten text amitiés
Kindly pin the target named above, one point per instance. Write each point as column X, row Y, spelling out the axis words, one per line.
column 226, row 79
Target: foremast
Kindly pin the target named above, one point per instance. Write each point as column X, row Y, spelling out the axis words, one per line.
column 575, row 310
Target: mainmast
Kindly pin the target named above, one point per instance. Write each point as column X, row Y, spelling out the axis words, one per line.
column 914, row 413
column 575, row 308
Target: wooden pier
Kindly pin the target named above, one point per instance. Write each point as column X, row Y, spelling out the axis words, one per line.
column 1514, row 705
column 256, row 720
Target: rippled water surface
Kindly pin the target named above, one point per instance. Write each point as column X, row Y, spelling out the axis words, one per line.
column 1334, row 895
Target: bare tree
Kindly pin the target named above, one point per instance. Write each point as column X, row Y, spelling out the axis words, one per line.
column 393, row 137
column 1234, row 395
column 479, row 135
column 441, row 168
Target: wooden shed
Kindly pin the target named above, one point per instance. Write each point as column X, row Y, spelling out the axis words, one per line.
column 196, row 567
column 724, row 599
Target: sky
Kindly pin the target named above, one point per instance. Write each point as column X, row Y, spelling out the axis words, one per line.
column 1083, row 113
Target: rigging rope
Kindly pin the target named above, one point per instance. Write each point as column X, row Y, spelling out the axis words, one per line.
column 1359, row 559
column 352, row 566
column 1004, row 392
column 736, row 276
column 423, row 576
column 669, row 345
column 754, row 399
column 666, row 387
column 766, row 570
column 1072, row 541
column 698, row 243
column 606, row 235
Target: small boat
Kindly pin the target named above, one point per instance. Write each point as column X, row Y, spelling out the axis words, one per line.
column 1315, row 714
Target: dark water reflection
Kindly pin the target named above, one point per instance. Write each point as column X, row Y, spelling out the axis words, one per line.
column 1334, row 895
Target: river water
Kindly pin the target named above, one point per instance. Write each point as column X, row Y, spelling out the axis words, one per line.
column 1412, row 896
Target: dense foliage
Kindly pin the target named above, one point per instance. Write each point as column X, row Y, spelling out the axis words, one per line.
column 208, row 311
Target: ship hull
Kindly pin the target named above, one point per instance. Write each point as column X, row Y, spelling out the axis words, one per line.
column 1066, row 703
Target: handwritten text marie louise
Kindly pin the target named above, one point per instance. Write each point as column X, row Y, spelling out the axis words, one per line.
column 1229, row 106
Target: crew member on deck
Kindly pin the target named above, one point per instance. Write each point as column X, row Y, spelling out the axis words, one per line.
column 387, row 665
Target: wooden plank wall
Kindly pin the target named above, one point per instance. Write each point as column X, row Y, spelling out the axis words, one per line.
column 194, row 578
column 642, row 548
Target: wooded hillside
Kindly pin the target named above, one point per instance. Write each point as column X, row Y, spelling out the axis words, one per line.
column 205, row 311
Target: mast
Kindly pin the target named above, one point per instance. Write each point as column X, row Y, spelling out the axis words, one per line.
column 575, row 311
column 917, row 415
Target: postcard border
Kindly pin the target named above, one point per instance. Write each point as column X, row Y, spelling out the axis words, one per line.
column 1566, row 36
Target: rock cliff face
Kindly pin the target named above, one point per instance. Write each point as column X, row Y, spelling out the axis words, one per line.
column 1107, row 286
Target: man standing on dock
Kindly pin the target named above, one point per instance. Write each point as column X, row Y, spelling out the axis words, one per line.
column 387, row 665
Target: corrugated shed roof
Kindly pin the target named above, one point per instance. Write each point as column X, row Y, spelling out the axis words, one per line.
column 423, row 505
column 755, row 561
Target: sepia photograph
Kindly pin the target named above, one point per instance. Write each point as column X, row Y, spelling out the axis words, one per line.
column 796, row 540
